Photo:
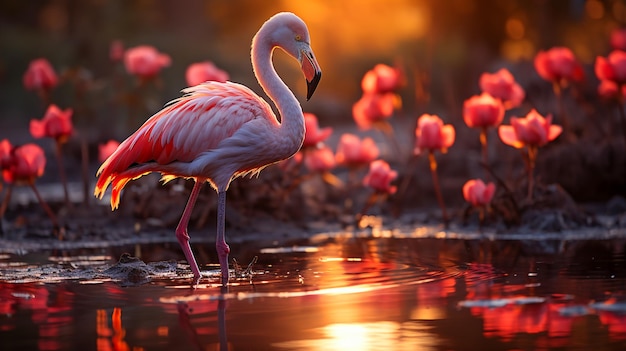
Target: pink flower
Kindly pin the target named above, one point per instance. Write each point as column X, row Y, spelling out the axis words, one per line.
column 314, row 136
column 320, row 160
column 382, row 79
column 27, row 164
column 477, row 193
column 483, row 111
column 432, row 134
column 145, row 61
column 609, row 90
column 201, row 72
column 618, row 39
column 116, row 51
column 5, row 153
column 380, row 177
column 558, row 64
column 613, row 67
column 55, row 124
column 533, row 130
column 40, row 75
column 502, row 85
column 373, row 108
column 105, row 150
column 353, row 152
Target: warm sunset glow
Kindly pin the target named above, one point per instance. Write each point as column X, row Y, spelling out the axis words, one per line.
column 347, row 336
column 619, row 11
column 382, row 335
column 163, row 331
column 111, row 336
column 428, row 313
column 516, row 50
column 360, row 29
column 594, row 9
column 515, row 28
column 363, row 25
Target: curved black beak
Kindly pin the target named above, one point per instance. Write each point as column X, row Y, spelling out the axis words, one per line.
column 311, row 85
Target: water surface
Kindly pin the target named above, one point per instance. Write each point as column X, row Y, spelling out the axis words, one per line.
column 341, row 293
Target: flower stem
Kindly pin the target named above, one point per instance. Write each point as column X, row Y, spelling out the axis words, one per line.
column 7, row 198
column 371, row 200
column 433, row 170
column 62, row 174
column 567, row 130
column 44, row 96
column 620, row 108
column 84, row 152
column 481, row 216
column 45, row 206
column 387, row 131
column 532, row 157
column 484, row 149
column 483, row 143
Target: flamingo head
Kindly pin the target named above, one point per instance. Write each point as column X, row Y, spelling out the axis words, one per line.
column 291, row 34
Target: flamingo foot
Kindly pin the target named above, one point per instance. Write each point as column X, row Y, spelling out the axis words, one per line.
column 195, row 281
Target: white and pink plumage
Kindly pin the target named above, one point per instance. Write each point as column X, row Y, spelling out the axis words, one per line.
column 219, row 131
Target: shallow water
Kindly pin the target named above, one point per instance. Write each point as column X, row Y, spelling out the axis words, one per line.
column 343, row 293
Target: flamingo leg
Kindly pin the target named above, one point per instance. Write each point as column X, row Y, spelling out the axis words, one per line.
column 220, row 242
column 181, row 230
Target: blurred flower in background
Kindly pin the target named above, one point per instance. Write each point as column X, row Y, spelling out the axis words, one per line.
column 201, row 72
column 558, row 65
column 371, row 109
column 477, row 193
column 116, row 51
column 320, row 160
column 502, row 85
column 482, row 111
column 612, row 68
column 618, row 39
column 532, row 130
column 609, row 90
column 56, row 124
column 354, row 152
column 380, row 176
column 314, row 135
column 431, row 134
column 105, row 150
column 27, row 163
column 5, row 153
column 382, row 79
column 379, row 99
column 40, row 75
column 145, row 61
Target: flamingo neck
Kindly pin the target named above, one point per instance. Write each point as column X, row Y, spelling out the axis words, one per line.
column 289, row 109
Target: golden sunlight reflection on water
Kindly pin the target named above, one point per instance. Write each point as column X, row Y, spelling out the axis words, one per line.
column 367, row 336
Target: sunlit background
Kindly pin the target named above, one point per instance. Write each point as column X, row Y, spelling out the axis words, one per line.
column 442, row 45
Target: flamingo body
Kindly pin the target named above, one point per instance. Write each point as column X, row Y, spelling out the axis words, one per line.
column 219, row 131
column 212, row 132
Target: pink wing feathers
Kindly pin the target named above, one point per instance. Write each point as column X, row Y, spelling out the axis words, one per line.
column 196, row 123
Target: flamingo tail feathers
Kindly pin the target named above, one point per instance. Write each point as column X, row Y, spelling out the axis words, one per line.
column 118, row 181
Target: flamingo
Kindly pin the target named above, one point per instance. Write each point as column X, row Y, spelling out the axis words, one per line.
column 218, row 131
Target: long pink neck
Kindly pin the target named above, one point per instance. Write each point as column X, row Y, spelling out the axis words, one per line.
column 289, row 109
